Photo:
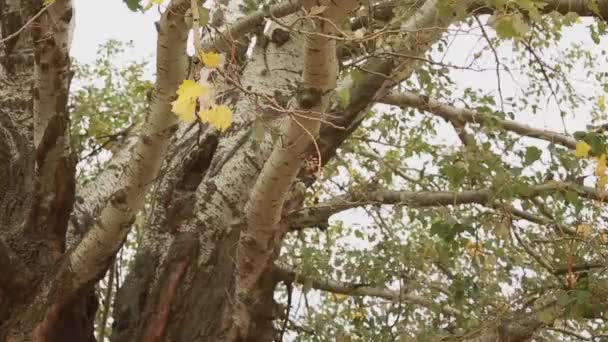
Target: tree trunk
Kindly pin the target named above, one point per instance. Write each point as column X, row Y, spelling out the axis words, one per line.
column 37, row 172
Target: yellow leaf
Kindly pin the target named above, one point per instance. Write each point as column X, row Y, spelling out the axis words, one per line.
column 184, row 109
column 601, row 102
column 604, row 237
column 48, row 2
column 582, row 149
column 219, row 116
column 211, row 59
column 584, row 230
column 600, row 168
column 359, row 313
column 474, row 249
column 340, row 296
column 187, row 95
column 191, row 89
column 602, row 181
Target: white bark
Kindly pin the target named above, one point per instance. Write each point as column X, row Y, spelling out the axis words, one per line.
column 231, row 36
column 93, row 196
column 91, row 255
column 54, row 179
column 260, row 237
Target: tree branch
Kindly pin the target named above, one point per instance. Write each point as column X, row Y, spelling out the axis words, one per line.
column 260, row 237
column 93, row 196
column 55, row 166
column 290, row 276
column 426, row 27
column 312, row 216
column 226, row 40
column 94, row 253
column 454, row 114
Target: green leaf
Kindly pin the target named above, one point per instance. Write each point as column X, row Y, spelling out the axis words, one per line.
column 343, row 96
column 532, row 155
column 546, row 316
column 520, row 188
column 134, row 5
column 511, row 26
column 307, row 285
column 504, row 27
column 563, row 298
column 203, row 14
column 448, row 231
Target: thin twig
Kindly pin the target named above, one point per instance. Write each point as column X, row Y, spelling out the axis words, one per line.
column 29, row 22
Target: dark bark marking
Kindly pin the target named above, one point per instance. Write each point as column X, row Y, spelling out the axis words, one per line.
column 55, row 129
column 182, row 252
column 119, row 199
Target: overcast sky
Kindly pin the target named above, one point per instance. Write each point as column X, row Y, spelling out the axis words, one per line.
column 98, row 21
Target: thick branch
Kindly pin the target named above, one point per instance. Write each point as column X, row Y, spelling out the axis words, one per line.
column 93, row 196
column 454, row 114
column 319, row 215
column 426, row 27
column 227, row 39
column 55, row 165
column 92, row 255
column 384, row 11
column 261, row 236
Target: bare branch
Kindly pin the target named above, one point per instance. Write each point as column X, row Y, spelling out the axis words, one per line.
column 226, row 40
column 287, row 275
column 454, row 114
column 312, row 216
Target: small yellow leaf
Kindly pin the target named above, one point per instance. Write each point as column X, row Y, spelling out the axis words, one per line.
column 584, row 230
column 602, row 181
column 604, row 237
column 474, row 249
column 582, row 149
column 601, row 102
column 184, row 110
column 359, row 313
column 340, row 296
column 211, row 59
column 47, row 2
column 219, row 116
column 190, row 88
column 185, row 104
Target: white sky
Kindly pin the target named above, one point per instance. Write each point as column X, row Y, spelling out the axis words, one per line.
column 98, row 21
